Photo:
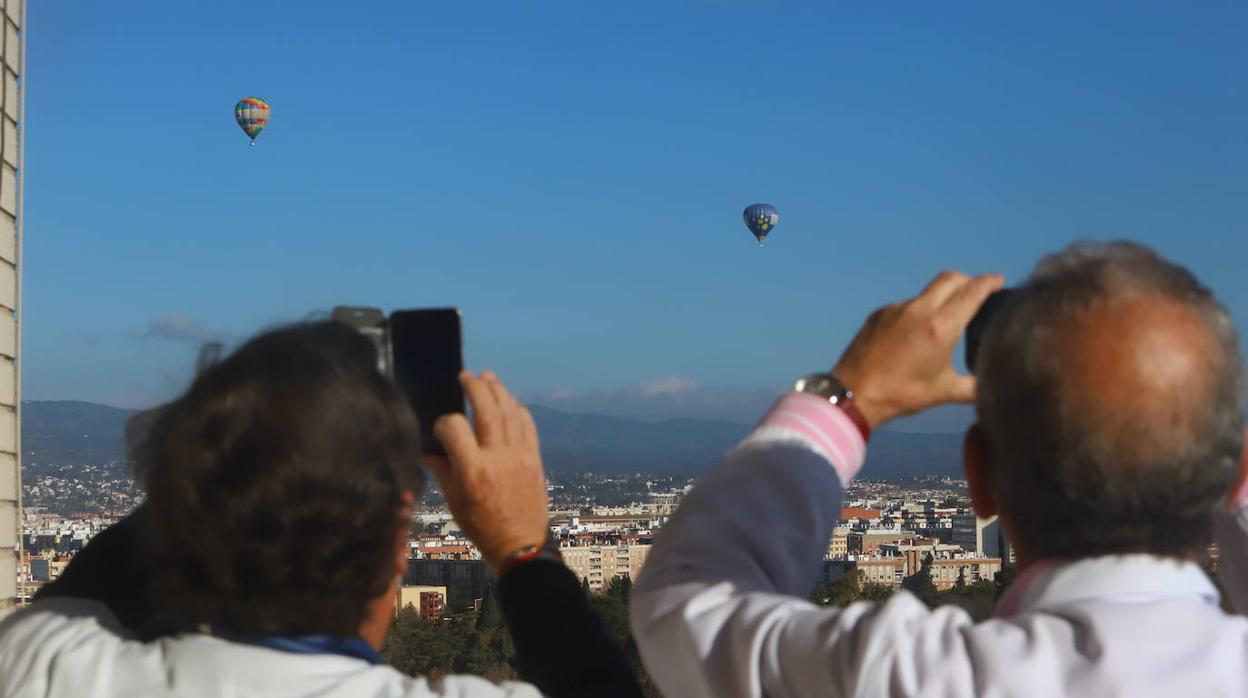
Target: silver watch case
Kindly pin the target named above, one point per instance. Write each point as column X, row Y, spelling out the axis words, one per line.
column 826, row 386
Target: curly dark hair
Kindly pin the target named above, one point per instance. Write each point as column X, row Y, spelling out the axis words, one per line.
column 275, row 482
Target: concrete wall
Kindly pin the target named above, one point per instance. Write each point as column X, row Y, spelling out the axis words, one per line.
column 12, row 56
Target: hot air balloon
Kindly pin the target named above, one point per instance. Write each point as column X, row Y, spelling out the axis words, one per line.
column 252, row 115
column 760, row 219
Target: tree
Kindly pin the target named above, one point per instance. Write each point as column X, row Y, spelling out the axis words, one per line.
column 920, row 583
column 840, row 592
column 620, row 586
column 419, row 647
column 585, row 585
column 960, row 584
column 614, row 612
column 875, row 592
column 458, row 599
column 1004, row 578
column 479, row 643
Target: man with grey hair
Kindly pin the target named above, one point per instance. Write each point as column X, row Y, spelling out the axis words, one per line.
column 1109, row 396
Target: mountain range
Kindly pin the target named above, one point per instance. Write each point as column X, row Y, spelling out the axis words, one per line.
column 56, row 433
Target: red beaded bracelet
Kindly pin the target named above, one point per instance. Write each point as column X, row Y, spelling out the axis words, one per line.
column 547, row 551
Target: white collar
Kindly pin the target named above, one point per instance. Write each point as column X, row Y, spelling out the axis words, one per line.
column 1052, row 583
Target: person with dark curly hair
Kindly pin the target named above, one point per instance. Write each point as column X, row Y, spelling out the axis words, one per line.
column 266, row 557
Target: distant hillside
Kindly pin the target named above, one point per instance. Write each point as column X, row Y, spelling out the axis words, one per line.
column 601, row 444
column 72, row 433
column 83, row 433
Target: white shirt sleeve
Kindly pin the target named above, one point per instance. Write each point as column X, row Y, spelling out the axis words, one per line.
column 720, row 608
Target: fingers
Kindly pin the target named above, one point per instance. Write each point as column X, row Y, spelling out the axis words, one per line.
column 498, row 415
column 455, row 435
column 485, row 409
column 530, row 428
column 509, row 408
column 962, row 305
column 941, row 288
column 958, row 309
column 496, row 387
column 959, row 388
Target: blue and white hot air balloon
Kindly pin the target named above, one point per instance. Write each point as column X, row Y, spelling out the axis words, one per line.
column 761, row 219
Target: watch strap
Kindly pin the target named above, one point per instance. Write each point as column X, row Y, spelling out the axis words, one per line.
column 830, row 388
column 549, row 550
column 855, row 415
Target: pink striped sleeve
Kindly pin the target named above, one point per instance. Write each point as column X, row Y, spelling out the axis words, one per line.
column 823, row 424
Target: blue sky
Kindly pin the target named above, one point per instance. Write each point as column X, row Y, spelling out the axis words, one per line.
column 572, row 175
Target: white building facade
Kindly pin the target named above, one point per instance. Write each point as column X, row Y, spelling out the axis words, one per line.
column 13, row 57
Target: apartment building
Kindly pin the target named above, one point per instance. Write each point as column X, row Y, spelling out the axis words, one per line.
column 886, row 571
column 838, row 544
column 600, row 563
column 945, row 572
column 429, row 601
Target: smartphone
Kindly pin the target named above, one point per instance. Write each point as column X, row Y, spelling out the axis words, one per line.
column 426, row 357
column 975, row 330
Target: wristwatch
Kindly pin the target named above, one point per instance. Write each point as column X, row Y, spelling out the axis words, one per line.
column 830, row 388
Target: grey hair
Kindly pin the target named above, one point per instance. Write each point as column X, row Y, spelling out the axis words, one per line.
column 1074, row 484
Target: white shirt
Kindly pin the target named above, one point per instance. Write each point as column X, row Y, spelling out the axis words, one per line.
column 720, row 609
column 73, row 648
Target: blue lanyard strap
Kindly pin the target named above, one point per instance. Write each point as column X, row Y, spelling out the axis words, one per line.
column 307, row 644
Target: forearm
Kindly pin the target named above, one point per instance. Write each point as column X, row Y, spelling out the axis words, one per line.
column 562, row 646
column 762, row 516
column 733, row 567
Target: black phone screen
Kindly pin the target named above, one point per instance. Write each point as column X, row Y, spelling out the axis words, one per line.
column 427, row 356
column 975, row 330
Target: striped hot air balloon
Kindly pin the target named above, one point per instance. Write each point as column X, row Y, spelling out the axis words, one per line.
column 252, row 115
column 761, row 219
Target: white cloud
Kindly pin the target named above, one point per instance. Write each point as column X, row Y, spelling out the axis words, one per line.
column 177, row 327
column 667, row 386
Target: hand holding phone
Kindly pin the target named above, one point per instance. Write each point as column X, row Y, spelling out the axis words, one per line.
column 492, row 478
column 901, row 361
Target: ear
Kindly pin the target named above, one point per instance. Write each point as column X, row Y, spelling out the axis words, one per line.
column 1240, row 491
column 979, row 475
column 400, row 554
column 400, row 547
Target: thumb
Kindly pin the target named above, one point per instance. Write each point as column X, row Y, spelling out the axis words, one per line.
column 958, row 388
